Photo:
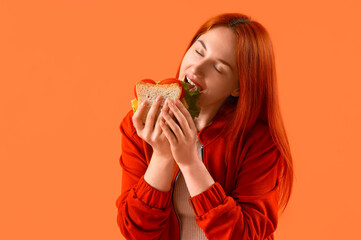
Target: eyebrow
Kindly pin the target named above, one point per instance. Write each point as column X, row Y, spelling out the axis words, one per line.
column 222, row 61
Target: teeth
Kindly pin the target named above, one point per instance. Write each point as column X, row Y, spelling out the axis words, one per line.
column 191, row 82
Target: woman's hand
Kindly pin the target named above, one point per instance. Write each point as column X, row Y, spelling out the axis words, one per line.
column 151, row 131
column 183, row 137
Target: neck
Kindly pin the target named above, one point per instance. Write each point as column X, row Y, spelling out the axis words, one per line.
column 203, row 119
column 206, row 115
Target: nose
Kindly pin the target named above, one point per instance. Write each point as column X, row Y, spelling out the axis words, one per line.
column 197, row 69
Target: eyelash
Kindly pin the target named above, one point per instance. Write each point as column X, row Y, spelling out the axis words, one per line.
column 202, row 56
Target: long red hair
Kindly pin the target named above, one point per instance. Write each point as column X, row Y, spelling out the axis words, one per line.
column 258, row 98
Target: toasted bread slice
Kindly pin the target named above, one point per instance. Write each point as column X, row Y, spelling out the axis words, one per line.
column 150, row 92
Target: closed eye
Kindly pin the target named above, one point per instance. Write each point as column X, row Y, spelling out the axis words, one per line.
column 217, row 69
column 199, row 53
column 202, row 56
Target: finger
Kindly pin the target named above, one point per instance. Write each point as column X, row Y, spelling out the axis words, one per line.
column 157, row 128
column 137, row 117
column 167, row 109
column 168, row 133
column 180, row 118
column 152, row 114
column 171, row 114
column 172, row 125
column 186, row 114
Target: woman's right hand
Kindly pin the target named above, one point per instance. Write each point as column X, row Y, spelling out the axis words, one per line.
column 151, row 131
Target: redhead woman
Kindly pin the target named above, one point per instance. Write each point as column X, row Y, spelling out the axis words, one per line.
column 226, row 174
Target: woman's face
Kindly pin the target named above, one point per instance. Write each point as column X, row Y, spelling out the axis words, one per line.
column 210, row 63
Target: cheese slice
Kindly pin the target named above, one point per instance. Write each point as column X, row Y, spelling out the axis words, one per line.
column 134, row 105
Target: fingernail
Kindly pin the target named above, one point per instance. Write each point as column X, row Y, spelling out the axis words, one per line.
column 144, row 102
column 171, row 103
column 158, row 99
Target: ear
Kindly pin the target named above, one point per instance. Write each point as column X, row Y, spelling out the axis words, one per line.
column 235, row 92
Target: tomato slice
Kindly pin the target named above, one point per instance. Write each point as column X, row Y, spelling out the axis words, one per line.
column 148, row 81
column 169, row 81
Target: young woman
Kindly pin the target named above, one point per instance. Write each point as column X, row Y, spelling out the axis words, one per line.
column 227, row 173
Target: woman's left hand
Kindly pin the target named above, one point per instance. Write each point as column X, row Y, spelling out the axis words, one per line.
column 184, row 136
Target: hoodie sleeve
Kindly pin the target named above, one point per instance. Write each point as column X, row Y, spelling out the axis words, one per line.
column 251, row 211
column 143, row 211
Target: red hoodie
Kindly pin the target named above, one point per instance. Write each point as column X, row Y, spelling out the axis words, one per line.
column 241, row 204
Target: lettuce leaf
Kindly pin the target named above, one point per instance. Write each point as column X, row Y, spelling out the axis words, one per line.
column 191, row 98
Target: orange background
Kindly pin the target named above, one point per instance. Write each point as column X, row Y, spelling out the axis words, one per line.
column 67, row 70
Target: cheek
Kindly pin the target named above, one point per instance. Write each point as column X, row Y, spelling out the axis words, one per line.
column 221, row 86
column 187, row 59
column 183, row 65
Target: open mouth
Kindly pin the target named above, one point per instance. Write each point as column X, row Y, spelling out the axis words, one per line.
column 192, row 86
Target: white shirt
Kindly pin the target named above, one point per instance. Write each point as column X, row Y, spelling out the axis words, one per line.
column 189, row 230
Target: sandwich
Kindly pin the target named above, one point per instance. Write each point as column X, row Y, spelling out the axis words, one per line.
column 171, row 88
